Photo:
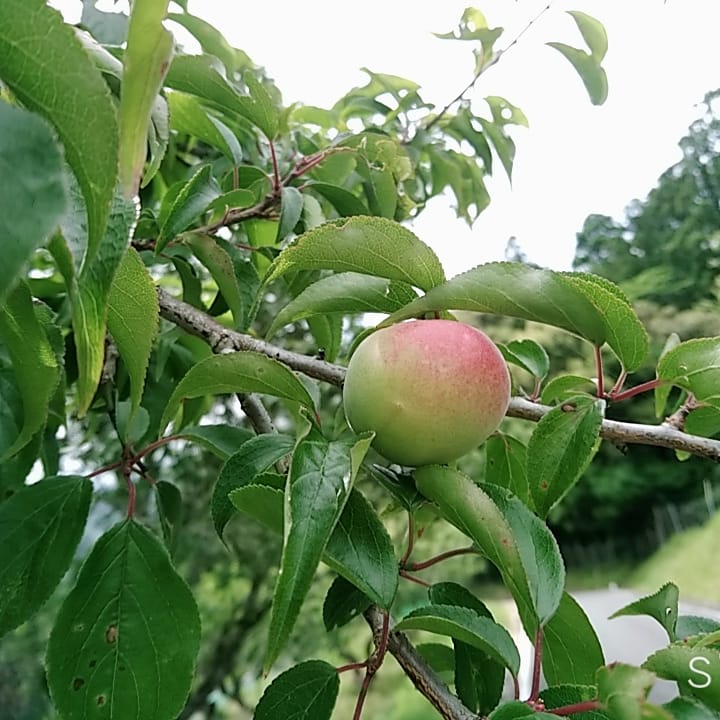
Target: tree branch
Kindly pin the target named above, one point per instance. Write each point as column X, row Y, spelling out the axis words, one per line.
column 221, row 338
column 420, row 673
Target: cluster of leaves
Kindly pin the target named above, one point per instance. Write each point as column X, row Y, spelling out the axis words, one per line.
column 128, row 167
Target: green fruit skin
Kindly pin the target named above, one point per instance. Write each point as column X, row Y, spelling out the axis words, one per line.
column 432, row 390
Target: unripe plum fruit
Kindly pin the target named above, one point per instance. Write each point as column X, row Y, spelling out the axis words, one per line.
column 432, row 390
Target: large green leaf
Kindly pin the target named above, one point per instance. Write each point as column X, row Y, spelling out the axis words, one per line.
column 245, row 372
column 319, row 483
column 588, row 68
column 254, row 457
column 48, row 70
column 694, row 365
column 685, row 708
column 133, row 319
column 146, row 60
column 345, row 293
column 188, row 206
column 561, row 447
column 506, row 465
column 34, row 196
column 211, row 40
column 359, row 548
column 538, row 549
column 187, row 115
column 469, row 508
column 478, row 678
column 694, row 667
column 89, row 295
column 40, row 528
column 580, row 303
column 571, row 650
column 304, row 692
column 470, row 627
column 593, row 33
column 125, row 640
column 220, row 265
column 661, row 605
column 34, row 361
column 370, row 245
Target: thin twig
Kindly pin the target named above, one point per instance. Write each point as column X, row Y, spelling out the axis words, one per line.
column 420, row 673
column 484, row 68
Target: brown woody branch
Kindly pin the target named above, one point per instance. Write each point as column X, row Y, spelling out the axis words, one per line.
column 221, row 338
column 420, row 673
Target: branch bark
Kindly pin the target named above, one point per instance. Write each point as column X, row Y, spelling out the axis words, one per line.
column 420, row 673
column 222, row 339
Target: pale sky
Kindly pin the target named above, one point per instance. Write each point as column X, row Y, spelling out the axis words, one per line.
column 574, row 160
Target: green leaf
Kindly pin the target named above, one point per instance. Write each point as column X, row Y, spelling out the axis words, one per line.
column 40, row 528
column 370, row 245
column 506, row 465
column 344, row 293
column 145, row 63
column 327, row 331
column 695, row 669
column 538, row 549
column 169, row 504
column 623, row 691
column 211, row 40
column 221, row 440
column 560, row 449
column 89, row 297
column 593, row 33
column 258, row 107
column 127, row 635
column 694, row 365
column 34, row 196
column 343, row 603
column 133, row 319
column 49, row 71
column 529, row 355
column 703, row 421
column 662, row 606
column 221, row 268
column 478, row 679
column 588, row 68
column 201, row 75
column 188, row 116
column 685, row 708
column 245, row 372
column 304, row 692
column 470, row 509
column 441, row 658
column 262, row 499
column 564, row 387
column 470, row 627
column 571, row 650
column 319, row 482
column 254, row 457
column 359, row 548
column 291, row 207
column 34, row 362
column 188, row 206
column 340, row 198
column 624, row 332
column 521, row 291
column 400, row 486
column 688, row 625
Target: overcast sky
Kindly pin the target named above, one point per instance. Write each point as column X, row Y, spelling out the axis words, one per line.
column 575, row 158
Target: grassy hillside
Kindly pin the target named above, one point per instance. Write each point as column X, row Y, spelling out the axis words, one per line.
column 690, row 560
